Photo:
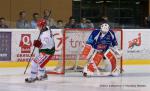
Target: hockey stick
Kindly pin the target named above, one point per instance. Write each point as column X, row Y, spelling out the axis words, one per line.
column 31, row 56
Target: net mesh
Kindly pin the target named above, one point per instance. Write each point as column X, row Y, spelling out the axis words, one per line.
column 69, row 59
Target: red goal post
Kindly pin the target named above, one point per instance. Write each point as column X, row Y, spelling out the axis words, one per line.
column 73, row 42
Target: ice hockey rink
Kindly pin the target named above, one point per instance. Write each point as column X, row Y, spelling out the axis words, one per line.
column 12, row 79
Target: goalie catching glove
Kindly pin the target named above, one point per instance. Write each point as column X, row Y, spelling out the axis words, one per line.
column 37, row 43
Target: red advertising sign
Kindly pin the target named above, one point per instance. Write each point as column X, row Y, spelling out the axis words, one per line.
column 25, row 43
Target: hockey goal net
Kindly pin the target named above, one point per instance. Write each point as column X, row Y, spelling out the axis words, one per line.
column 69, row 59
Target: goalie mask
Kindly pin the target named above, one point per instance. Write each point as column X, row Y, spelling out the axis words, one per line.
column 105, row 28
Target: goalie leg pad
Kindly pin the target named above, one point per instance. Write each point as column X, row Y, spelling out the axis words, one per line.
column 110, row 57
column 96, row 59
column 87, row 51
column 91, row 67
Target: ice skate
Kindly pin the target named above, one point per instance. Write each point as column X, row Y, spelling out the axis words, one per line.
column 86, row 72
column 30, row 80
column 115, row 73
column 44, row 77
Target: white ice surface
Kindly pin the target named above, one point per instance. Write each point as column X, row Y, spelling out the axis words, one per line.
column 134, row 78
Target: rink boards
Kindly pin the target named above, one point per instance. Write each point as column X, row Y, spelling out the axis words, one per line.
column 13, row 52
column 52, row 63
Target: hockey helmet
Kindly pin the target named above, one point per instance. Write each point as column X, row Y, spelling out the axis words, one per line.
column 41, row 23
column 105, row 27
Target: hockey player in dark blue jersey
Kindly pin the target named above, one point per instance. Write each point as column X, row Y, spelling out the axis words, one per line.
column 101, row 46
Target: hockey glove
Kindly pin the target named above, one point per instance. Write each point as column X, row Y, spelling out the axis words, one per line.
column 37, row 43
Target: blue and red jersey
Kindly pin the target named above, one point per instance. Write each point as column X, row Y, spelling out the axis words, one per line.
column 102, row 42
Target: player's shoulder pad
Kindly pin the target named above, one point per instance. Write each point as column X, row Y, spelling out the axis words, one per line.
column 112, row 33
column 96, row 31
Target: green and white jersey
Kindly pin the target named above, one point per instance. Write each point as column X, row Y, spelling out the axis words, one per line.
column 47, row 40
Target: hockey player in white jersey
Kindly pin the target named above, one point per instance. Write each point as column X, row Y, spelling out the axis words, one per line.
column 101, row 46
column 46, row 47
